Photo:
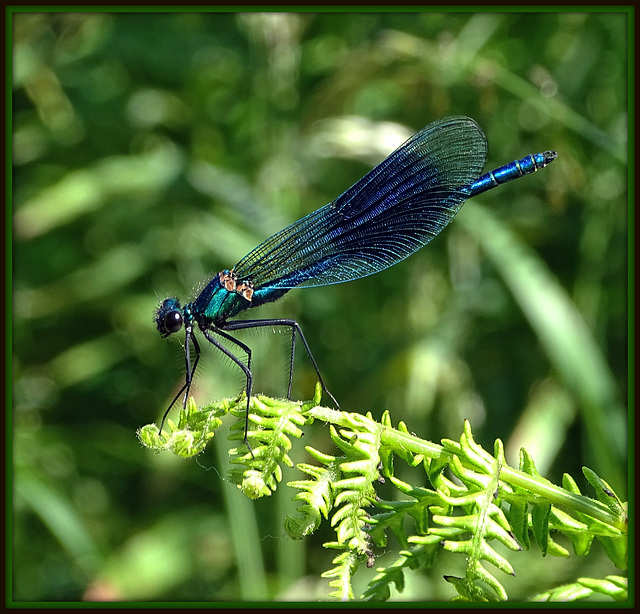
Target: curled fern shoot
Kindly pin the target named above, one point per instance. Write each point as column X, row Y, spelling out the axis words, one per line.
column 190, row 435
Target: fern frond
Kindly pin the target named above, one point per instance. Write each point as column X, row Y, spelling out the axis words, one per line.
column 614, row 587
column 379, row 589
column 344, row 568
column 482, row 520
column 317, row 494
column 275, row 422
column 354, row 492
column 486, row 503
column 395, row 513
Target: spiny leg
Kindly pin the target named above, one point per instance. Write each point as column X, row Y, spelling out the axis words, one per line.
column 245, row 368
column 295, row 329
column 188, row 338
column 293, row 353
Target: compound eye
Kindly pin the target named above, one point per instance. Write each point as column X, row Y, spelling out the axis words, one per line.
column 173, row 321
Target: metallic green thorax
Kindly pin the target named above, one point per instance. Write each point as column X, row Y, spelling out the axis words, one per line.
column 219, row 300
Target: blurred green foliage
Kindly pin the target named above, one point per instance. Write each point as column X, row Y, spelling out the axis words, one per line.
column 151, row 150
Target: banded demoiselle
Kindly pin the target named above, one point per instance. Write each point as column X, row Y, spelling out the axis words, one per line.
column 393, row 211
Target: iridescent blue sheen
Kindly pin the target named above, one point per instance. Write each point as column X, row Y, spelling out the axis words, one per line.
column 393, row 211
column 513, row 170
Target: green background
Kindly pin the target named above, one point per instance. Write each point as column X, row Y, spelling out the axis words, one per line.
column 151, row 150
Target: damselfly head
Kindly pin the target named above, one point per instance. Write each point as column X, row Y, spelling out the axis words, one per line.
column 169, row 318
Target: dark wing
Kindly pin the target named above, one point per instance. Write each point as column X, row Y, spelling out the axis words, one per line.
column 389, row 214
